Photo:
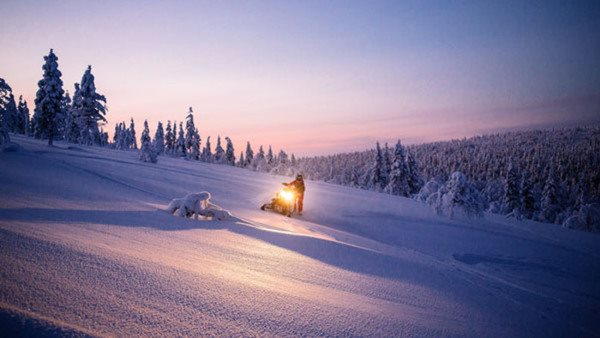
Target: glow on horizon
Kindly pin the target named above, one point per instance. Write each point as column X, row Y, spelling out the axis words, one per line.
column 319, row 77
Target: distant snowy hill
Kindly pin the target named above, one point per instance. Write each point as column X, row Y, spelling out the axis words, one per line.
column 86, row 248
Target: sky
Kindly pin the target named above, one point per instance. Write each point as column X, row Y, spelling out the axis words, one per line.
column 319, row 77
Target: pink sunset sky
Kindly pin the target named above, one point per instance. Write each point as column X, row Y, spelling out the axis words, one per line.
column 318, row 77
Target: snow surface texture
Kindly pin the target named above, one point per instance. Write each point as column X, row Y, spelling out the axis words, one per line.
column 86, row 248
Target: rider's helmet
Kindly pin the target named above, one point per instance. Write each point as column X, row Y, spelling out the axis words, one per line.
column 299, row 177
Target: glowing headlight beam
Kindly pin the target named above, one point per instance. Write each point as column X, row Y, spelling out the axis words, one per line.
column 287, row 195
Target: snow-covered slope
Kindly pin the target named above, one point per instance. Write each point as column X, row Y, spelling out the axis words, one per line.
column 85, row 248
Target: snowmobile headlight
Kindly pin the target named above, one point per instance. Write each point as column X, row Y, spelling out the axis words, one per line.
column 287, row 195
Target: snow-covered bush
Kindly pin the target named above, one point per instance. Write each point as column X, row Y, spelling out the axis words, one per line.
column 431, row 187
column 147, row 153
column 457, row 197
column 197, row 204
column 587, row 218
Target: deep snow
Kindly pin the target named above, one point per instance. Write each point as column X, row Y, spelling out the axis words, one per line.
column 86, row 248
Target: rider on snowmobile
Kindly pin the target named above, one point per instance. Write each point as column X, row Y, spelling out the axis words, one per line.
column 298, row 186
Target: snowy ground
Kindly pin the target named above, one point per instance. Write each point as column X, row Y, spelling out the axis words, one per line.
column 85, row 249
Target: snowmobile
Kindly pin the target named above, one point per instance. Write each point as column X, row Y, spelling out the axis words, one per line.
column 284, row 201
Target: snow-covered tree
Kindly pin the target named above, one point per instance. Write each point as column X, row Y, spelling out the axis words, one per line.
column 249, row 155
column 180, row 145
column 586, row 218
column 23, row 116
column 527, row 196
column 120, row 137
column 207, row 155
column 48, row 99
column 229, row 152
column 550, row 206
column 132, row 140
column 219, row 151
column 9, row 108
column 512, row 193
column 415, row 182
column 259, row 163
column 269, row 156
column 242, row 161
column 375, row 178
column 6, row 113
column 192, row 138
column 387, row 164
column 65, row 108
column 431, row 187
column 147, row 153
column 457, row 196
column 72, row 122
column 159, row 139
column 283, row 158
column 398, row 177
column 92, row 110
column 170, row 139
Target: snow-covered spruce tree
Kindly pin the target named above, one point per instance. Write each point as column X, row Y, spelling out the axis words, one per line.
column 269, row 156
column 195, row 151
column 527, row 196
column 242, row 161
column 207, row 155
column 375, row 178
column 387, row 164
column 219, row 151
column 9, row 107
column 249, row 155
column 398, row 178
column 103, row 138
column 457, row 197
column 132, row 140
column 169, row 139
column 512, row 196
column 124, row 136
column 229, row 152
column 280, row 164
column 147, row 153
column 65, row 108
column 23, row 116
column 72, row 129
column 259, row 163
column 550, row 206
column 180, row 144
column 415, row 182
column 6, row 115
column 192, row 138
column 116, row 136
column 92, row 111
column 159, row 139
column 175, row 137
column 48, row 99
column 282, row 158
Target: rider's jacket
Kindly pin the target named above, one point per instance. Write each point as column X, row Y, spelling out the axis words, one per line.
column 298, row 185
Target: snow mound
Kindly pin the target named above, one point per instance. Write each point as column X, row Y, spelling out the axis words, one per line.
column 197, row 204
column 587, row 218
